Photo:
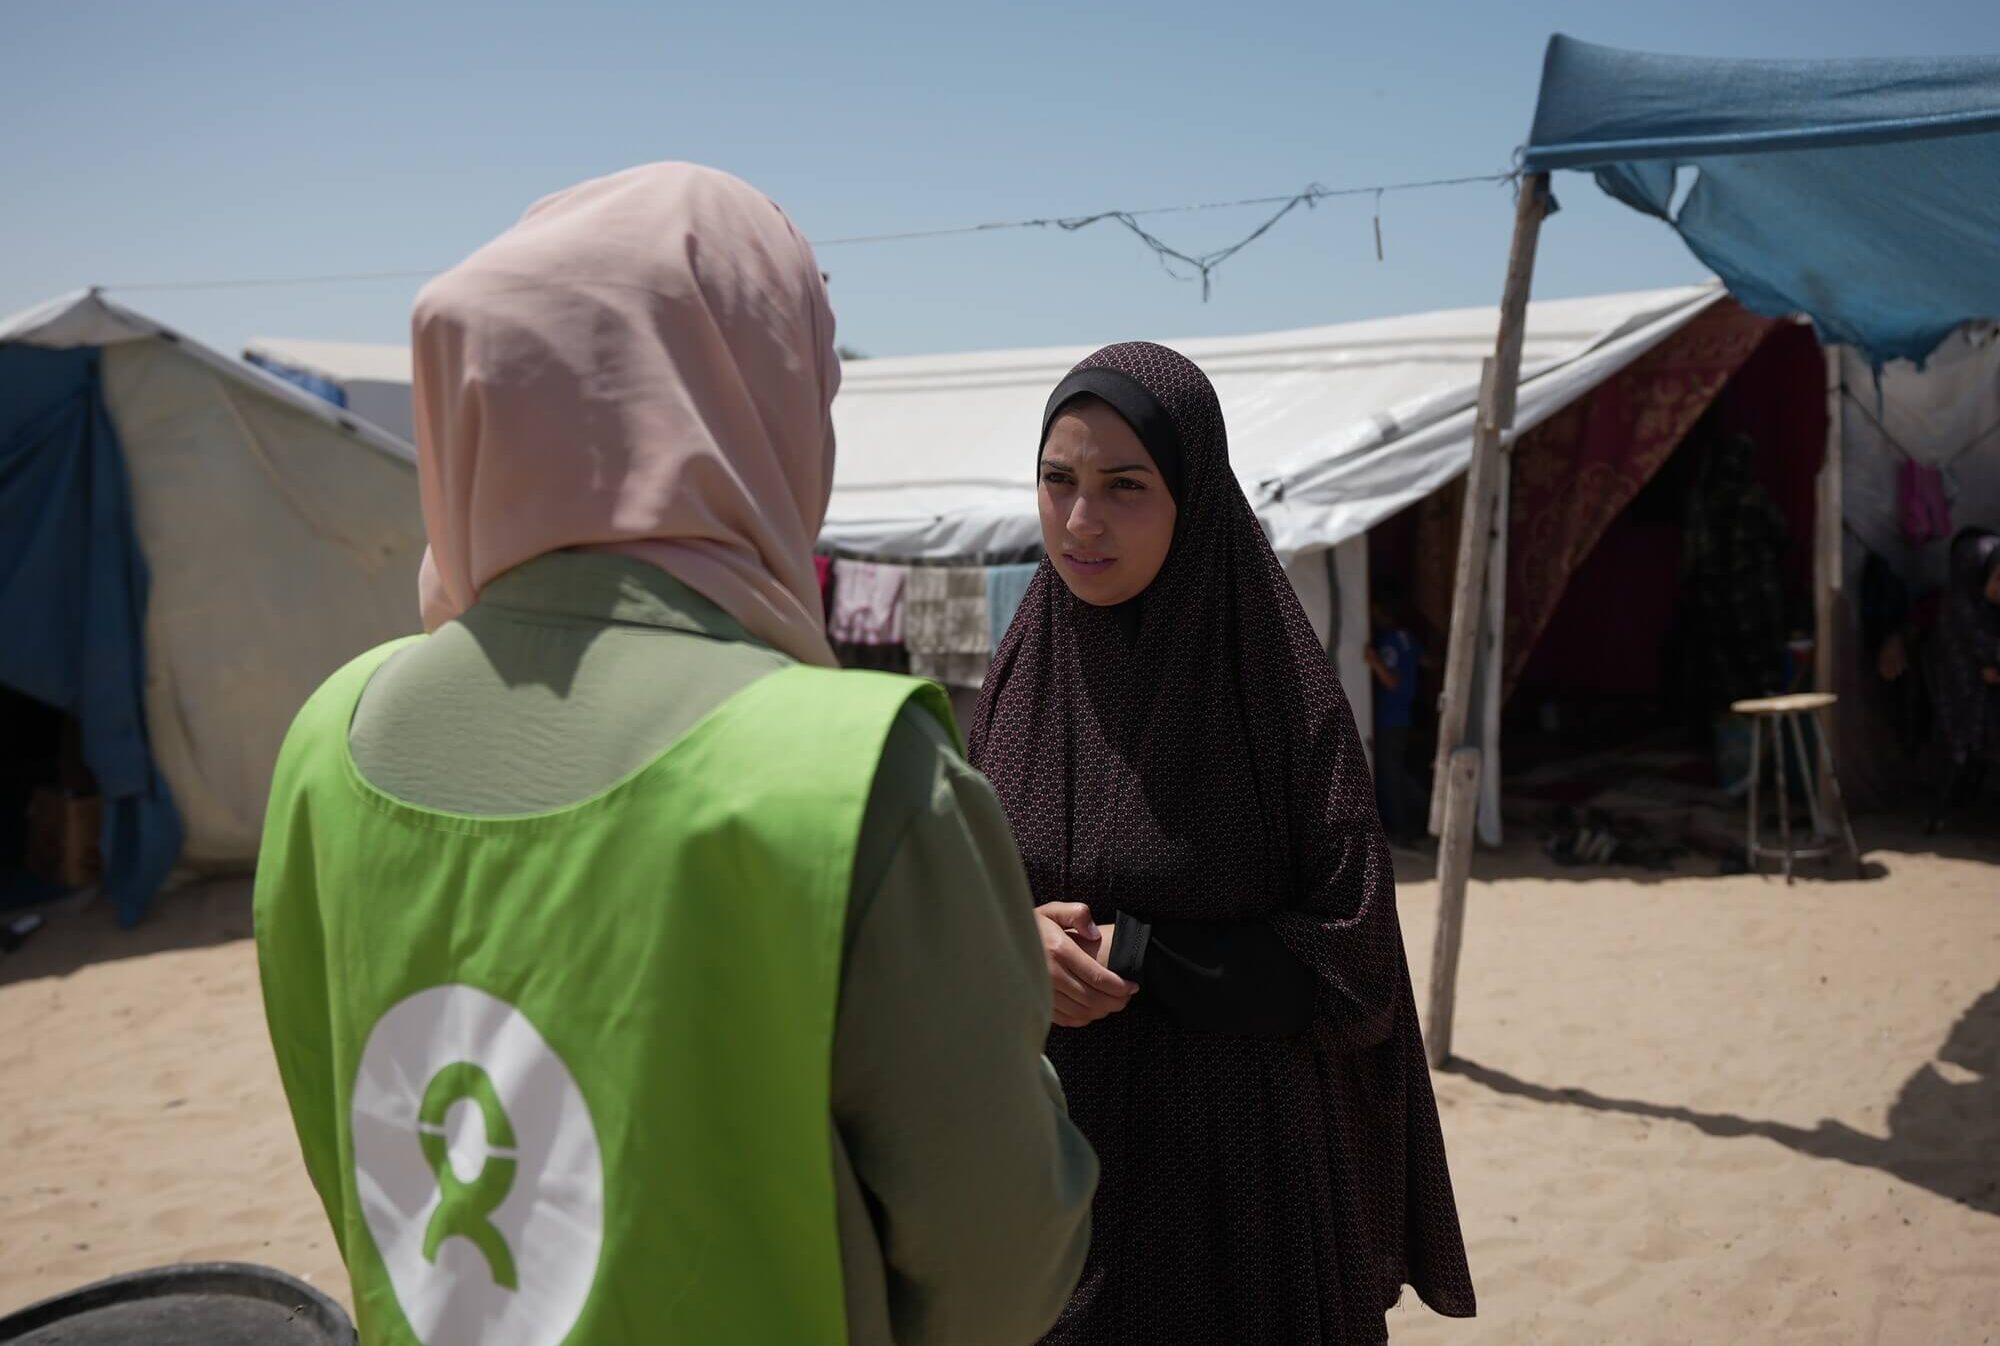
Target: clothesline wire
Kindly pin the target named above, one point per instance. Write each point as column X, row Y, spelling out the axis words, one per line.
column 1204, row 264
column 1311, row 194
column 1898, row 445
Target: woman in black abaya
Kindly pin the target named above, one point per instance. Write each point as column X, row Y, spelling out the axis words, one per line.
column 1235, row 1027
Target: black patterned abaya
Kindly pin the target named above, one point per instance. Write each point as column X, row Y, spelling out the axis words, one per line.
column 1198, row 768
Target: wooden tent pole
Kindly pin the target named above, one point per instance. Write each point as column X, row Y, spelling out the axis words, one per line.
column 1456, row 772
column 1829, row 581
column 1461, row 814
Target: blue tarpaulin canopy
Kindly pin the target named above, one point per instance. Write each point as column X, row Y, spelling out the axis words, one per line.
column 1863, row 193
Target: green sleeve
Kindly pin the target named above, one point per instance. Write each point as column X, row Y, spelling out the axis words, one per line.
column 952, row 1118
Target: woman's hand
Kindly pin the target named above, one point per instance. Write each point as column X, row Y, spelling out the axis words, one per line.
column 1084, row 989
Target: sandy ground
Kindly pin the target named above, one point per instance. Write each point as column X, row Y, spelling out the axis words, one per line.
column 1688, row 1110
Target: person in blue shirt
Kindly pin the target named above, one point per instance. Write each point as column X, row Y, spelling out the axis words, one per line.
column 1393, row 657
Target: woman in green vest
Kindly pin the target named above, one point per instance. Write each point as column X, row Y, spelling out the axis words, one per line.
column 635, row 976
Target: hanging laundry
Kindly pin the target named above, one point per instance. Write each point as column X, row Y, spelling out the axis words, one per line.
column 1925, row 511
column 947, row 626
column 823, row 569
column 1005, row 587
column 867, row 603
column 1938, row 504
column 945, row 611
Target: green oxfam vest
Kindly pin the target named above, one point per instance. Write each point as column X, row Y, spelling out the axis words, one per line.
column 564, row 1077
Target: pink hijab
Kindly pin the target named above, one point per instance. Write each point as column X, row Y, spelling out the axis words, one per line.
column 644, row 365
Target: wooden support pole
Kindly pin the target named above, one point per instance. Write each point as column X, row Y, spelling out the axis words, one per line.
column 1461, row 808
column 1497, row 388
column 1829, row 568
column 1468, row 590
column 1455, row 796
column 1349, row 563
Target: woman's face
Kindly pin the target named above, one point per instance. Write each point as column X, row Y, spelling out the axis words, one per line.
column 1992, row 579
column 1107, row 516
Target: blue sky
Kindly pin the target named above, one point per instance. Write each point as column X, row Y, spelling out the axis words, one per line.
column 191, row 141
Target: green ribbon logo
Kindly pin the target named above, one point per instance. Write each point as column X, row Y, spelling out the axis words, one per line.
column 465, row 1209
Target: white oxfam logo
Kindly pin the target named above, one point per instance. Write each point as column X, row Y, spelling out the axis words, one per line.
column 478, row 1171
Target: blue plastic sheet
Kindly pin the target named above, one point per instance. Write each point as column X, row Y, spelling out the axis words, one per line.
column 324, row 388
column 73, row 600
column 1864, row 193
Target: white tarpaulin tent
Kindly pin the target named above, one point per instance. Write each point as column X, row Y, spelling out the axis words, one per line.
column 374, row 381
column 1331, row 429
column 283, row 539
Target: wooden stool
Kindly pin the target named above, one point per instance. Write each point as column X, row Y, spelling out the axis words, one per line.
column 1780, row 712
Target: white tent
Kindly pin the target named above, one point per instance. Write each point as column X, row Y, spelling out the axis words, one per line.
column 374, row 381
column 283, row 539
column 1331, row 429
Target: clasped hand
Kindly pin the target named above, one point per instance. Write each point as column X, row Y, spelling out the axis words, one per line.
column 1085, row 989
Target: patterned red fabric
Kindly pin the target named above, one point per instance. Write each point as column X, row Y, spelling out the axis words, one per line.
column 1254, row 1190
column 1576, row 471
